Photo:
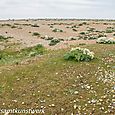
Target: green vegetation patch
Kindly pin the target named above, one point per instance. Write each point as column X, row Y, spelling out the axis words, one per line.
column 9, row 56
column 54, row 42
column 79, row 54
column 2, row 38
column 36, row 34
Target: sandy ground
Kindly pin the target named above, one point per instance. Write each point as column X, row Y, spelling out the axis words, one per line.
column 23, row 32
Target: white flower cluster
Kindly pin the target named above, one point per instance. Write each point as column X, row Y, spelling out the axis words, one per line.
column 85, row 51
column 106, row 40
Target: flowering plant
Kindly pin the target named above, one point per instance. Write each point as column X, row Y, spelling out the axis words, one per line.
column 104, row 40
column 79, row 54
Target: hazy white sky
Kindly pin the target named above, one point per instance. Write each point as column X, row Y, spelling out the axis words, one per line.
column 57, row 9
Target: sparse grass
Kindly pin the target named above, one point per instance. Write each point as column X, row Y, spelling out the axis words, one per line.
column 68, row 86
column 10, row 56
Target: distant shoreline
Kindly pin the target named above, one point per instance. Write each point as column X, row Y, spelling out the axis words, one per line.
column 57, row 19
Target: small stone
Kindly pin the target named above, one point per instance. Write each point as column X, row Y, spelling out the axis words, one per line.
column 76, row 92
column 74, row 101
column 102, row 108
column 100, row 100
column 34, row 94
column 113, row 100
column 53, row 105
column 23, row 103
column 6, row 113
column 14, row 101
column 48, row 95
column 18, row 79
column 56, row 73
column 42, row 107
column 88, row 87
column 93, row 101
column 62, row 109
column 75, row 106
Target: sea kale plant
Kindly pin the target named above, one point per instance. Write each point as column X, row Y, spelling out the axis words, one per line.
column 79, row 54
column 105, row 40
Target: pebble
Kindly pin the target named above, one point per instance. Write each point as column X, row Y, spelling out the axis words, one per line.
column 75, row 106
column 52, row 105
column 23, row 103
column 62, row 109
column 14, row 101
column 76, row 92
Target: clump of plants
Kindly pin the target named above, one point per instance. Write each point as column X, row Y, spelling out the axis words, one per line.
column 80, row 24
column 54, row 42
column 2, row 38
column 13, row 26
column 36, row 50
column 91, row 29
column 35, row 25
column 5, row 25
column 101, row 35
column 79, row 54
column 7, row 56
column 72, row 38
column 74, row 29
column 82, row 33
column 109, row 30
column 48, row 37
column 57, row 30
column 105, row 40
column 36, row 34
column 92, row 38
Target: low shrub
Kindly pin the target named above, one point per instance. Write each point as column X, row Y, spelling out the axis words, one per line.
column 54, row 42
column 92, row 38
column 74, row 29
column 2, row 38
column 79, row 54
column 91, row 29
column 80, row 25
column 72, row 38
column 33, row 51
column 48, row 37
column 36, row 34
column 5, row 25
column 57, row 30
column 109, row 31
column 105, row 40
column 101, row 35
column 35, row 25
column 13, row 27
column 83, row 33
column 82, row 44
